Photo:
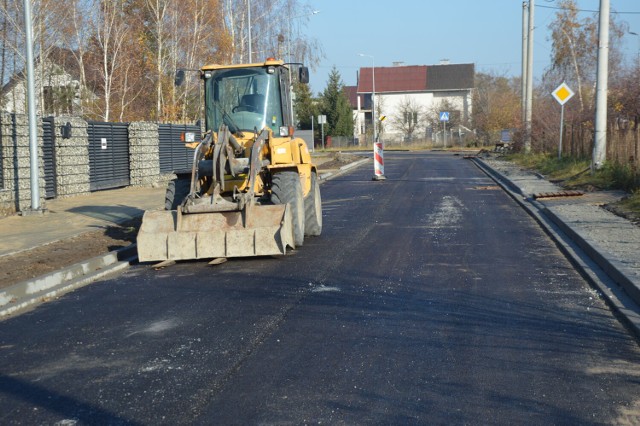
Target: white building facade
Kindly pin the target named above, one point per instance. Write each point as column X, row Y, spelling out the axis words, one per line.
column 409, row 99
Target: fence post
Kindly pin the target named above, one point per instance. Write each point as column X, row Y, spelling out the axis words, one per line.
column 144, row 153
column 71, row 157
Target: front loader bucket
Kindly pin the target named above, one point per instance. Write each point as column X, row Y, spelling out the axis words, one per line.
column 254, row 231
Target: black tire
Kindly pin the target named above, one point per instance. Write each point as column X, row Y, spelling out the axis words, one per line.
column 313, row 209
column 286, row 189
column 177, row 190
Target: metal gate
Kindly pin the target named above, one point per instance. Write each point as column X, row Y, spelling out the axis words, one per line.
column 108, row 155
column 173, row 154
column 49, row 157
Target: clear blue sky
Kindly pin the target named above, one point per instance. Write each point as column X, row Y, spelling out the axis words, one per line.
column 422, row 32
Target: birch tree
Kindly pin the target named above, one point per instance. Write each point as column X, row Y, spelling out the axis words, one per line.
column 275, row 30
column 574, row 54
column 111, row 32
column 159, row 10
column 199, row 38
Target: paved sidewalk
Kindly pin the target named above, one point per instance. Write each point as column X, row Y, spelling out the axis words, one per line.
column 611, row 242
column 69, row 217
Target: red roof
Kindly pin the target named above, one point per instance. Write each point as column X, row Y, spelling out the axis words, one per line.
column 352, row 95
column 417, row 78
column 394, row 79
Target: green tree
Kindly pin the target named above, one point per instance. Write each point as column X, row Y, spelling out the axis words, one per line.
column 335, row 105
column 304, row 106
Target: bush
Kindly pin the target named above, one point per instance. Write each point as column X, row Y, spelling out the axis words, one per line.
column 621, row 176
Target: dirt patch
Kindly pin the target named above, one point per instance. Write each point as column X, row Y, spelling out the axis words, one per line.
column 337, row 160
column 620, row 210
column 55, row 256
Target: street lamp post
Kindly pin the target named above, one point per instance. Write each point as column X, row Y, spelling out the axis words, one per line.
column 373, row 95
column 638, row 51
column 249, row 28
column 314, row 12
column 378, row 152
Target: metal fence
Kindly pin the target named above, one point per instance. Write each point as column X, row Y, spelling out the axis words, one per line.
column 49, row 156
column 108, row 155
column 173, row 153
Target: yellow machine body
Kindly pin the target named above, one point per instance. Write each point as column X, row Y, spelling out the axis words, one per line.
column 249, row 189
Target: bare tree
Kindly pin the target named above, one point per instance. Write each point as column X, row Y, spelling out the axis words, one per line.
column 275, row 29
column 159, row 10
column 111, row 32
column 202, row 39
column 574, row 51
column 495, row 105
column 409, row 118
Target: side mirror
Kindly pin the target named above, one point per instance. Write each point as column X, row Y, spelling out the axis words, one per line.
column 179, row 79
column 303, row 75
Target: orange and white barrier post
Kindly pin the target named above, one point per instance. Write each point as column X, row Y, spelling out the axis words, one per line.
column 378, row 161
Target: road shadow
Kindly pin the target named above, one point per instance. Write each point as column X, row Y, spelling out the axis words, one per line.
column 55, row 403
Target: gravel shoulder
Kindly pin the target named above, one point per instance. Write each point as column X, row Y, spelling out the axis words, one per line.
column 60, row 254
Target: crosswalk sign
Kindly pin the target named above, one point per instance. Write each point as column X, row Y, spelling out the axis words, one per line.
column 444, row 116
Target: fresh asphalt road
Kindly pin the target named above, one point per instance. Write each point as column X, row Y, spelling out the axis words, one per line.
column 430, row 298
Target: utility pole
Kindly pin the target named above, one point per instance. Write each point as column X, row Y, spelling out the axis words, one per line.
column 523, row 78
column 600, row 143
column 31, row 105
column 529, row 98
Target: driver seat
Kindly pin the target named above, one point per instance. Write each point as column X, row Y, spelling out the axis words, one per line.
column 255, row 101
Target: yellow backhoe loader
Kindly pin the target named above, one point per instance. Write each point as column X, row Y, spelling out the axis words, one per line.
column 252, row 189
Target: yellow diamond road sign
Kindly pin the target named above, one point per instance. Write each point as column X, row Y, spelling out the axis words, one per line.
column 563, row 93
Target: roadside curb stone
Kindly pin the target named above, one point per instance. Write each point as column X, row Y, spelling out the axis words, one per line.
column 28, row 293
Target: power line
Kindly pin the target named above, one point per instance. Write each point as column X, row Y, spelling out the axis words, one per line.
column 586, row 10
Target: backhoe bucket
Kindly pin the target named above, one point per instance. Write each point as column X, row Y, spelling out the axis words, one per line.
column 257, row 230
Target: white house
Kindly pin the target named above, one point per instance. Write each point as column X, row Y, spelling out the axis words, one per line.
column 57, row 87
column 410, row 96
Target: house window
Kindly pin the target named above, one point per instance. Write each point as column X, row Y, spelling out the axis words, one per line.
column 411, row 118
column 58, row 99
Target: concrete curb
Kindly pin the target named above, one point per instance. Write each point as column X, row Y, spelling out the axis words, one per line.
column 34, row 291
column 610, row 266
column 590, row 263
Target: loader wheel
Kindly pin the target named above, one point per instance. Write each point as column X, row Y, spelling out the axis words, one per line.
column 286, row 188
column 313, row 209
column 177, row 190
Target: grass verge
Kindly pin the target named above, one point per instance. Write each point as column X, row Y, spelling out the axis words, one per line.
column 575, row 173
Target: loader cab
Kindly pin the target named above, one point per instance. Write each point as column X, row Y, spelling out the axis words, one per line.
column 247, row 98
